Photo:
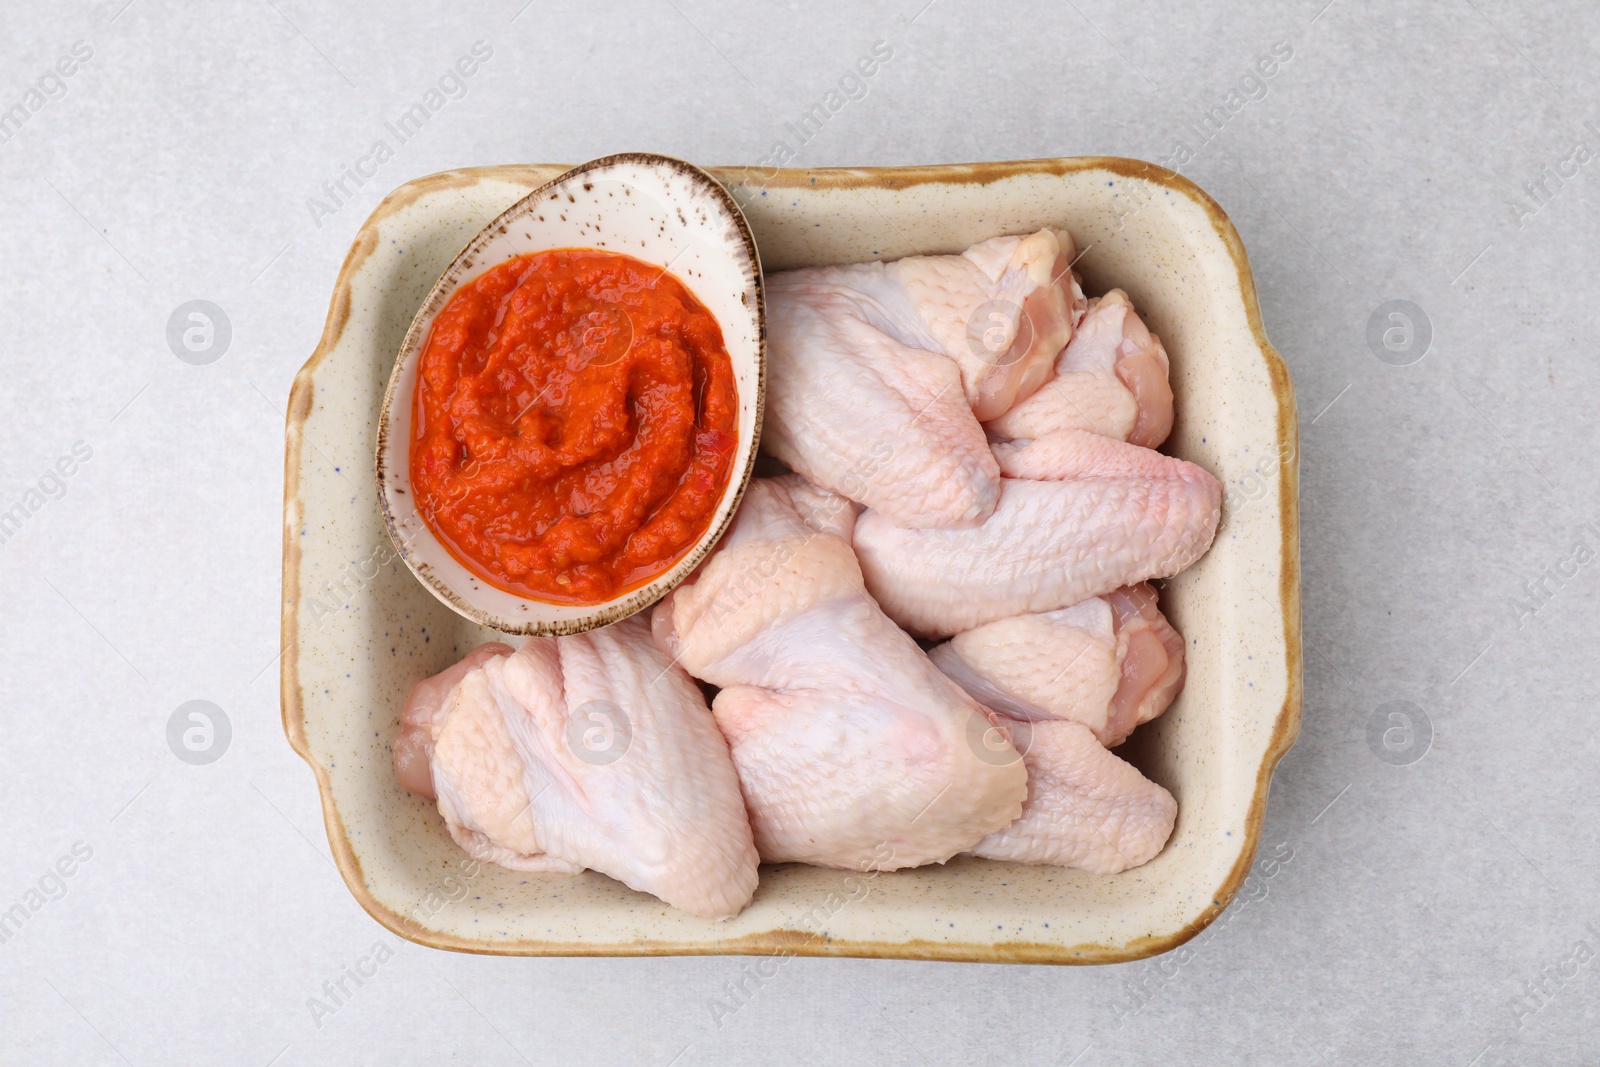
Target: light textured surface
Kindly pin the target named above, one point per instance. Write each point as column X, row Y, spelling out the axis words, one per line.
column 1397, row 912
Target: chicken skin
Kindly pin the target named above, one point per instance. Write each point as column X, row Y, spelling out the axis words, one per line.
column 591, row 751
column 853, row 750
column 1111, row 380
column 1078, row 516
column 1086, row 808
column 881, row 372
column 1111, row 663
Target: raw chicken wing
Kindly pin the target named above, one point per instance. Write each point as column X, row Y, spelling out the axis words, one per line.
column 1111, row 379
column 880, row 372
column 856, row 411
column 1079, row 515
column 591, row 751
column 1086, row 808
column 413, row 749
column 1110, row 663
column 853, row 750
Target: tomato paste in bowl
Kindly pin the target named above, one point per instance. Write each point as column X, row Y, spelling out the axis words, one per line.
column 576, row 408
column 574, row 424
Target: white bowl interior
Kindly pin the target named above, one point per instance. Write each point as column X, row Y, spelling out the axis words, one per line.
column 346, row 673
column 658, row 211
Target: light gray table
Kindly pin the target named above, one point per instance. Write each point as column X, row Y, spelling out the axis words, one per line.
column 1435, row 911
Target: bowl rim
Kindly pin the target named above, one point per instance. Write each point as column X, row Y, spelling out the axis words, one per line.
column 1285, row 728
column 635, row 600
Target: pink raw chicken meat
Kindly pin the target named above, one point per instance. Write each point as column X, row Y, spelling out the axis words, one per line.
column 1079, row 515
column 413, row 749
column 1111, row 380
column 852, row 749
column 591, row 751
column 880, row 372
column 1111, row 663
column 1086, row 808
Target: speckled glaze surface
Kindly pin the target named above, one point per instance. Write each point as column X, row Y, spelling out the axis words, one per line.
column 660, row 210
column 358, row 629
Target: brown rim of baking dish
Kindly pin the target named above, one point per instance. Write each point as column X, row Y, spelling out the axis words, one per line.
column 1285, row 729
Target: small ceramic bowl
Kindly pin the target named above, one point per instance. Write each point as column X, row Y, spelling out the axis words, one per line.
column 662, row 211
column 358, row 630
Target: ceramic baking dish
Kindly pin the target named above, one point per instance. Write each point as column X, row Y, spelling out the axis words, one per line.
column 358, row 629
